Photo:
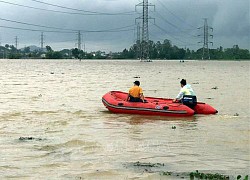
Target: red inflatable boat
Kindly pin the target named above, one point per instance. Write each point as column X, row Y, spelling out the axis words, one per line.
column 116, row 102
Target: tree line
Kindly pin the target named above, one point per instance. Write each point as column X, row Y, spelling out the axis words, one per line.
column 159, row 50
column 166, row 50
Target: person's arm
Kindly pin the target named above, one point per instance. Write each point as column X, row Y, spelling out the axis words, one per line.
column 127, row 97
column 142, row 97
column 179, row 96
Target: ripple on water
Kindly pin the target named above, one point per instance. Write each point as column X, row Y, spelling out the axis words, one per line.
column 85, row 140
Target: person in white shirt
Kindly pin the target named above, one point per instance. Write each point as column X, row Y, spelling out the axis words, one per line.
column 186, row 94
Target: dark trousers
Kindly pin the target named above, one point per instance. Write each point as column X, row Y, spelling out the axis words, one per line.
column 133, row 99
column 189, row 101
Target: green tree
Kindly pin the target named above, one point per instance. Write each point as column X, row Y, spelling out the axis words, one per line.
column 125, row 54
column 53, row 55
column 49, row 49
column 76, row 53
column 26, row 50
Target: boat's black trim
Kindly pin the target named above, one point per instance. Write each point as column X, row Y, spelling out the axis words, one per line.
column 143, row 109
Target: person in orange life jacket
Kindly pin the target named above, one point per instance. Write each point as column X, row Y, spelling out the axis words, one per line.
column 186, row 94
column 135, row 93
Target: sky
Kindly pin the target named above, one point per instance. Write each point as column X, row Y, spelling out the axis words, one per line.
column 111, row 25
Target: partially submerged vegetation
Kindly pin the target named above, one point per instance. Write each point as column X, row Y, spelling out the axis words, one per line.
column 200, row 175
column 159, row 168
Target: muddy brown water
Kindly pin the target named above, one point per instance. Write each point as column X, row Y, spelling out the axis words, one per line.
column 58, row 104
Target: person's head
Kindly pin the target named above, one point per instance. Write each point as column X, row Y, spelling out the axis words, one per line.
column 183, row 82
column 137, row 83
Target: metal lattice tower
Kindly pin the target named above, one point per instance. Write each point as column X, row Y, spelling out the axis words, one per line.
column 16, row 41
column 79, row 40
column 145, row 36
column 206, row 36
column 138, row 41
column 42, row 41
column 145, row 33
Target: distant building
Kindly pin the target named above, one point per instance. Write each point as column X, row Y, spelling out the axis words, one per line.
column 43, row 55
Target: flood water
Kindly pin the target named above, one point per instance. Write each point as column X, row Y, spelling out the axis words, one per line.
column 73, row 136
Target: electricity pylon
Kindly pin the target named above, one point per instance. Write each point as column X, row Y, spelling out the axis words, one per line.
column 206, row 35
column 16, row 43
column 79, row 40
column 145, row 34
column 138, row 41
column 42, row 41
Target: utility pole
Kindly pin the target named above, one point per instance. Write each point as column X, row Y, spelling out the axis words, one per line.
column 206, row 35
column 145, row 33
column 42, row 41
column 138, row 41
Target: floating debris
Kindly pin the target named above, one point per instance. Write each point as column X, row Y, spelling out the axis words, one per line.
column 158, row 168
column 137, row 77
column 52, row 73
column 199, row 175
column 173, row 127
column 29, row 139
column 166, row 173
column 236, row 114
column 214, row 87
column 147, row 164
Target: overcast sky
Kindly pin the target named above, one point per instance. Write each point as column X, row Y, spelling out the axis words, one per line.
column 176, row 20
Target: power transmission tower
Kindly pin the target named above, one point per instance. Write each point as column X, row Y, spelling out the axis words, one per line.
column 42, row 41
column 206, row 35
column 0, row 39
column 138, row 41
column 145, row 34
column 79, row 40
column 16, row 42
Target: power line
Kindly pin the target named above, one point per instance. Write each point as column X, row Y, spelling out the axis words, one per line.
column 163, row 39
column 179, row 18
column 81, row 10
column 173, row 25
column 24, row 23
column 169, row 34
column 56, row 11
column 118, row 29
column 36, row 30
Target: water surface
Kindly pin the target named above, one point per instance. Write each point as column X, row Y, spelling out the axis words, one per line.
column 58, row 103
